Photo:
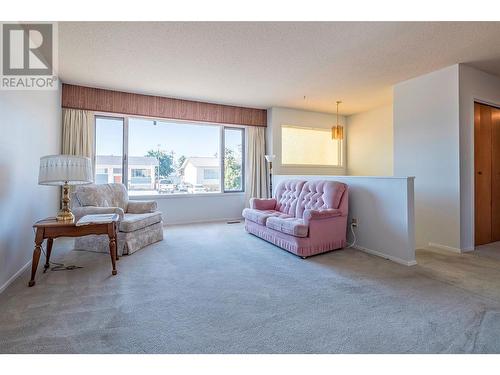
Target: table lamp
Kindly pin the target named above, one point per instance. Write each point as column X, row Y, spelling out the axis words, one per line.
column 65, row 170
column 269, row 159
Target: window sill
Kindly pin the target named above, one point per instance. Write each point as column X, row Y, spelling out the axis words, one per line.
column 311, row 166
column 183, row 196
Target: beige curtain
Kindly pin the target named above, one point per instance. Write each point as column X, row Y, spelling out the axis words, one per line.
column 78, row 132
column 255, row 166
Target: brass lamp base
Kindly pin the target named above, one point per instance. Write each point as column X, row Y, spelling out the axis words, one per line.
column 65, row 213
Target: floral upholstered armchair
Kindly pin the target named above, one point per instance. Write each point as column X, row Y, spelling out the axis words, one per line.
column 140, row 222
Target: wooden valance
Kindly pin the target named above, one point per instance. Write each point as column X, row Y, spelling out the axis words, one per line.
column 101, row 100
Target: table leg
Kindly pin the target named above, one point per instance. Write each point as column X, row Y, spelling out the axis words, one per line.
column 115, row 227
column 36, row 254
column 49, row 251
column 112, row 246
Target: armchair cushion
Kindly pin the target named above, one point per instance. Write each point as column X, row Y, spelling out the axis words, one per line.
column 263, row 204
column 106, row 195
column 79, row 212
column 133, row 222
column 321, row 214
column 141, row 207
column 91, row 198
column 291, row 225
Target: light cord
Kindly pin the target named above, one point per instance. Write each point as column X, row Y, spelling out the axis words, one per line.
column 354, row 237
column 56, row 266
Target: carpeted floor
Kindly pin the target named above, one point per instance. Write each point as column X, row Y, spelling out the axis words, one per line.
column 211, row 288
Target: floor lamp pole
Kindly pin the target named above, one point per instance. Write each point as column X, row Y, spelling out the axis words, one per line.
column 269, row 159
column 270, row 179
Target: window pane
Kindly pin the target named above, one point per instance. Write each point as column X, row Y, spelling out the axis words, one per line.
column 233, row 159
column 173, row 158
column 309, row 146
column 210, row 174
column 109, row 149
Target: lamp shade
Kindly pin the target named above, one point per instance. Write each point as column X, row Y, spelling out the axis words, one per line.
column 59, row 169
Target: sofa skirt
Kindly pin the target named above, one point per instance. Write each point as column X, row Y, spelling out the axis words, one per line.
column 301, row 246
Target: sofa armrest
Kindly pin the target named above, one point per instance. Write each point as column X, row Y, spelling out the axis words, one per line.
column 79, row 212
column 141, row 207
column 263, row 203
column 328, row 213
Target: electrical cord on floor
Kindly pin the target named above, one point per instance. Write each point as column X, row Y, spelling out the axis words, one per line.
column 56, row 266
column 353, row 236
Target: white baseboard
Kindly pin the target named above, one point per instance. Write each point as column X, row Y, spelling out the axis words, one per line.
column 389, row 257
column 223, row 220
column 15, row 276
column 447, row 248
column 467, row 250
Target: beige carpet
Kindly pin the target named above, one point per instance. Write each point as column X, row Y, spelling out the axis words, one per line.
column 212, row 288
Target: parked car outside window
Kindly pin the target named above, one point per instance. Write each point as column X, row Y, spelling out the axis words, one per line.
column 195, row 189
column 166, row 186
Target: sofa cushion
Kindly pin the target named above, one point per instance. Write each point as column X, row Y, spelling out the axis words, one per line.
column 133, row 222
column 320, row 195
column 328, row 213
column 291, row 225
column 263, row 203
column 287, row 196
column 261, row 216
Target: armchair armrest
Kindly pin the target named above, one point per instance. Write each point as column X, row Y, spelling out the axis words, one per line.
column 141, row 207
column 263, row 204
column 79, row 212
column 310, row 215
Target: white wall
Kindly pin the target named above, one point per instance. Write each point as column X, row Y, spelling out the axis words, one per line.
column 475, row 85
column 208, row 207
column 30, row 127
column 426, row 145
column 370, row 142
column 191, row 174
column 385, row 212
column 285, row 116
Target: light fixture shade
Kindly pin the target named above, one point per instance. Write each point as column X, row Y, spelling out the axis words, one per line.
column 338, row 132
column 58, row 169
column 270, row 158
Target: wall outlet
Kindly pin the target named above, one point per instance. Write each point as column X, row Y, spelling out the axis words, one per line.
column 354, row 222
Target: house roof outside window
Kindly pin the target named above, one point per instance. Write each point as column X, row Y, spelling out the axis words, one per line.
column 202, row 162
column 132, row 160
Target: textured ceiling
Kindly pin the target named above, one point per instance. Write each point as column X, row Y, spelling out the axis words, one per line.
column 271, row 64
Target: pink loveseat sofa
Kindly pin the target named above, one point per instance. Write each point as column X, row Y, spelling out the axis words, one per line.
column 305, row 217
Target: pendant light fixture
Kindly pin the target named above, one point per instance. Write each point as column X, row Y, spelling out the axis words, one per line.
column 338, row 130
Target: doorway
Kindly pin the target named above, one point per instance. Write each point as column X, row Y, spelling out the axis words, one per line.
column 486, row 173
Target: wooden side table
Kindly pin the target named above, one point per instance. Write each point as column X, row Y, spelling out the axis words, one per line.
column 51, row 228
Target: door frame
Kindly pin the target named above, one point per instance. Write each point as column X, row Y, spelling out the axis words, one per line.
column 467, row 178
